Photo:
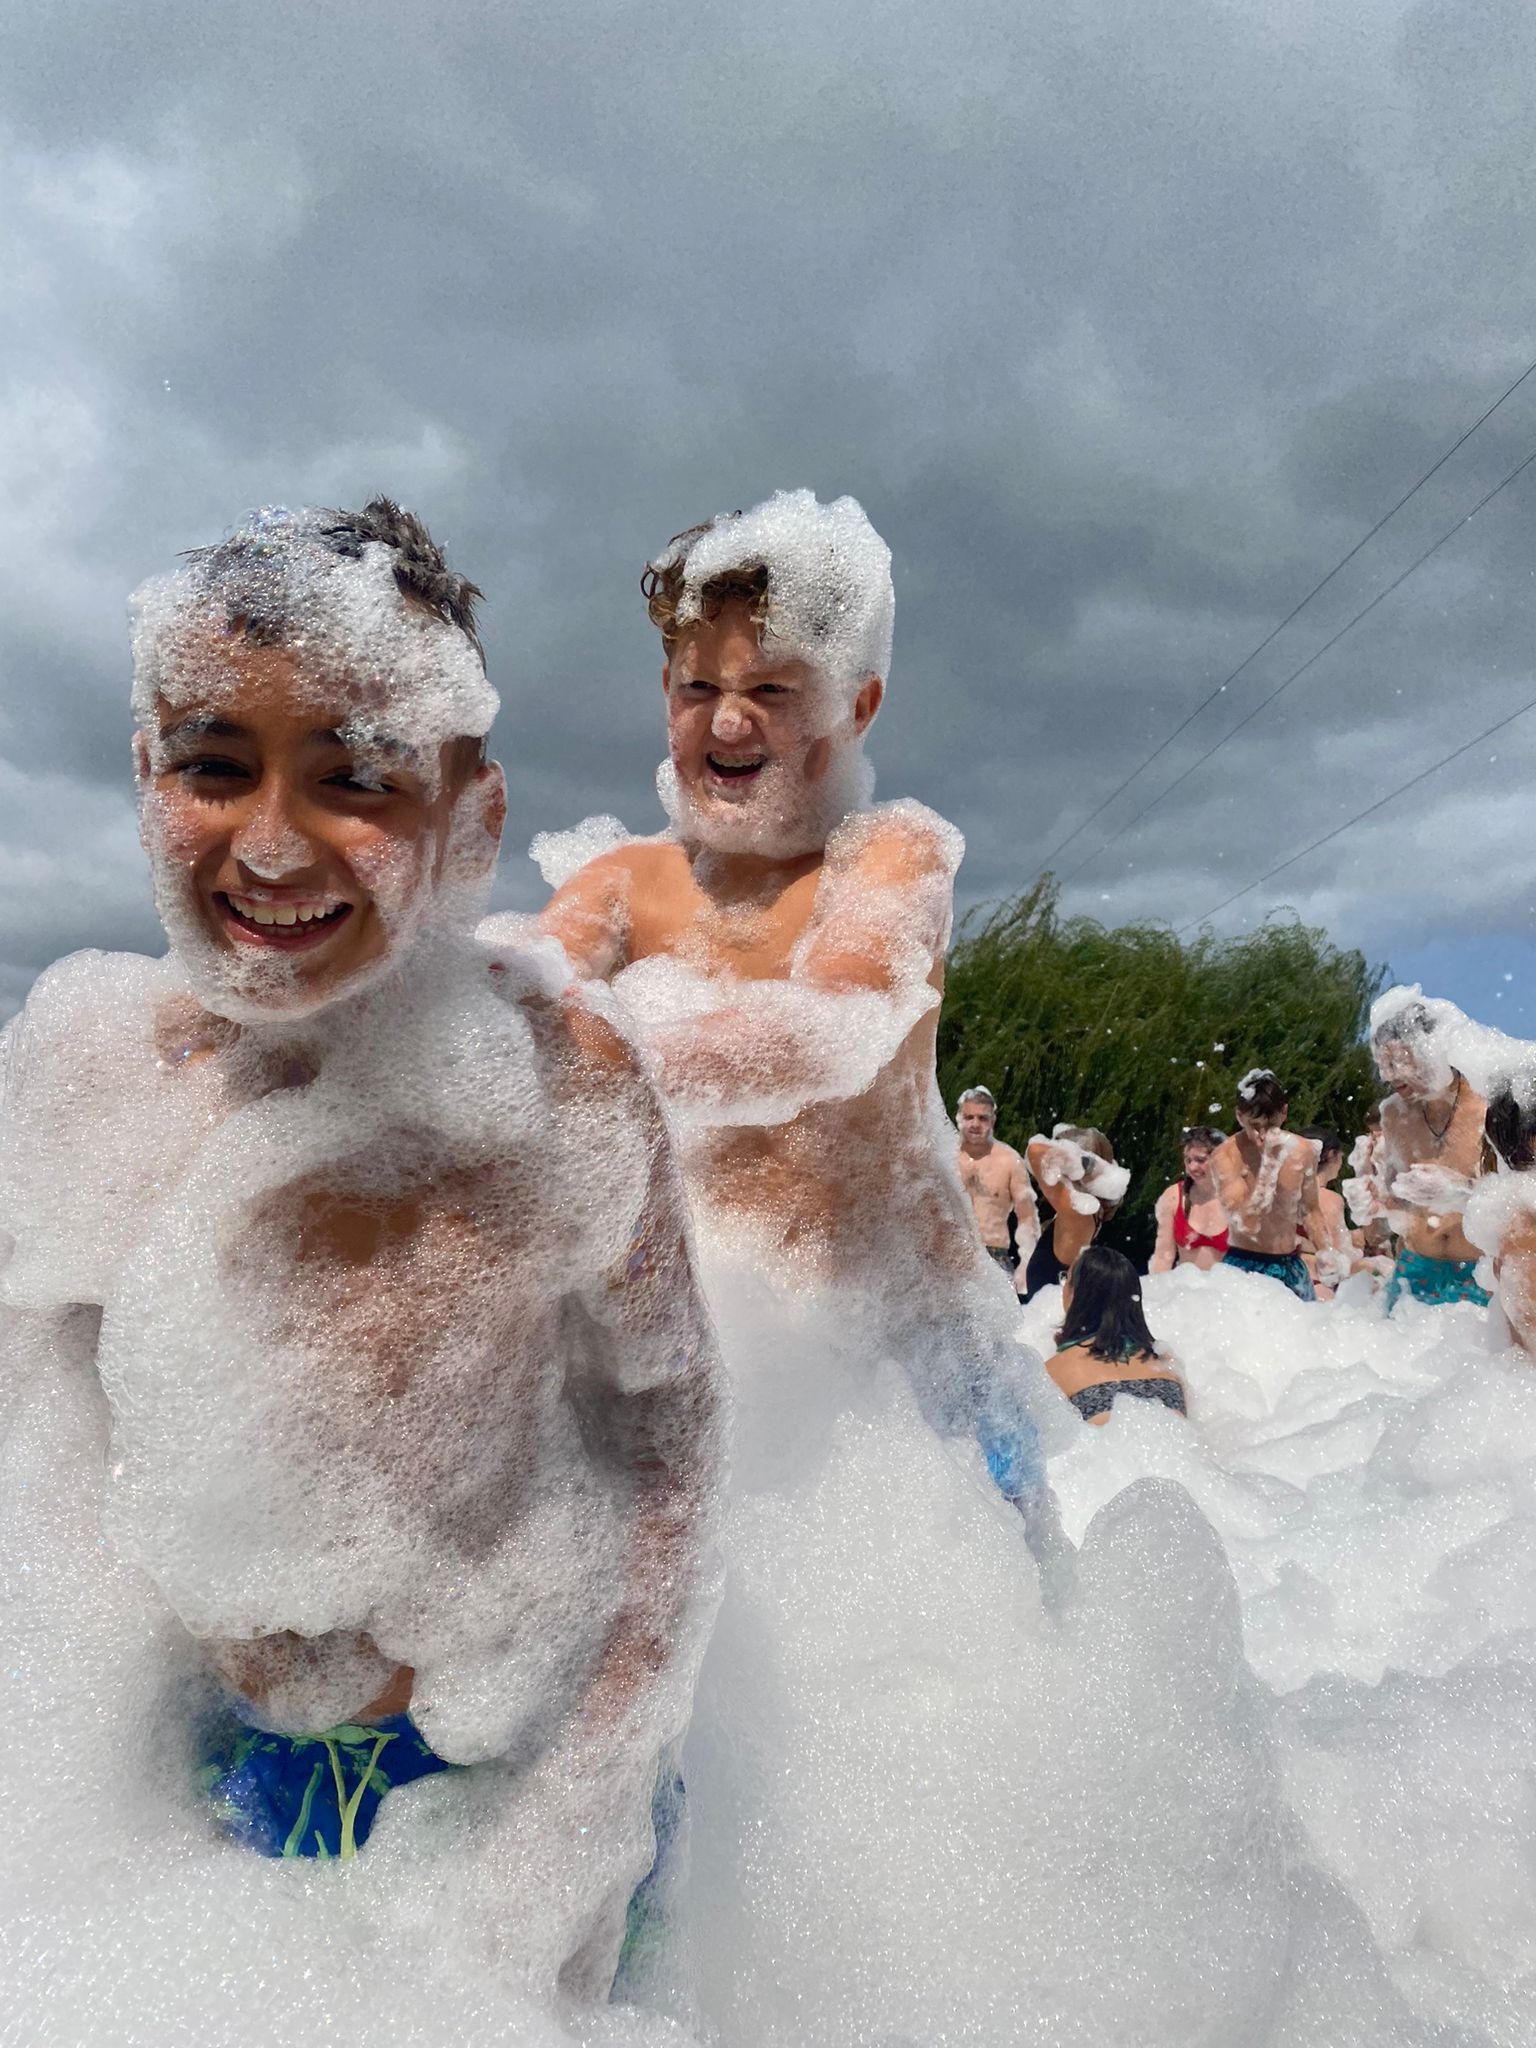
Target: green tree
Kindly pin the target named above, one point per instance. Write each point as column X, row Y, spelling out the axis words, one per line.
column 1070, row 1021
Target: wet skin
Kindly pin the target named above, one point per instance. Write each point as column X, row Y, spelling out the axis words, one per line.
column 730, row 704
column 273, row 816
column 1422, row 1124
column 995, row 1178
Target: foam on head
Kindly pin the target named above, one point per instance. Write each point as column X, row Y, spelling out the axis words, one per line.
column 829, row 603
column 379, row 625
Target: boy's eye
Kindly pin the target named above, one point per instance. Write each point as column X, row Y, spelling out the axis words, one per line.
column 770, row 690
column 358, row 783
column 211, row 768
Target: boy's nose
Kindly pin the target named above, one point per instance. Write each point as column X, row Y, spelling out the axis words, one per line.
column 730, row 721
column 269, row 844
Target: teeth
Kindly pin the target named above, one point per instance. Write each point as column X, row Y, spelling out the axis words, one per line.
column 281, row 913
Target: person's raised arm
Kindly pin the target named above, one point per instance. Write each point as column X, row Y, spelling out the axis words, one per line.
column 1165, row 1252
column 867, row 970
column 1309, row 1200
column 1021, row 1197
column 647, row 1390
column 589, row 915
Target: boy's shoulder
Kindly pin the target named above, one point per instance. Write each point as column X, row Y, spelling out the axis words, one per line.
column 86, row 1009
column 903, row 841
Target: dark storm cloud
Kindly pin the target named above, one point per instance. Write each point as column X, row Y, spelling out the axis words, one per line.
column 1124, row 323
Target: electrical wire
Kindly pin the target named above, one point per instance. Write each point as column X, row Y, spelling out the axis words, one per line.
column 1275, row 632
column 1369, row 811
column 1310, row 662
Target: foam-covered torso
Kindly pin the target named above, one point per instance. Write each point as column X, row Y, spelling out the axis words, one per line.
column 696, row 940
column 340, row 1285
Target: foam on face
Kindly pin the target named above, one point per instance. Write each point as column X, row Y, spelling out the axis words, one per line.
column 1446, row 1041
column 831, row 602
column 394, row 680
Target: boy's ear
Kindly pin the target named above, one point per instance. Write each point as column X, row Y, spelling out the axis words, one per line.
column 666, row 679
column 867, row 703
column 141, row 757
column 492, row 786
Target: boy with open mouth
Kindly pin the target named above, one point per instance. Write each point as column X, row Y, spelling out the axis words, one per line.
column 360, row 1243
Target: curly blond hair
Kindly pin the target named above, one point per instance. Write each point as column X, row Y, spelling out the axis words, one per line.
column 662, row 585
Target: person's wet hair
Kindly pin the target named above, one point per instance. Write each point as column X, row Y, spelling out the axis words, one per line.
column 249, row 572
column 662, row 582
column 1414, row 1020
column 1106, row 1309
column 1510, row 1128
column 1261, row 1093
column 977, row 1094
column 1330, row 1141
column 1199, row 1134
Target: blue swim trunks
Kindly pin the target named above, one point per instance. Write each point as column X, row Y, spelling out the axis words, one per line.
column 309, row 1795
column 1437, row 1281
column 1288, row 1269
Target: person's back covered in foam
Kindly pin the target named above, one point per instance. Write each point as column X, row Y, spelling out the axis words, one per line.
column 410, row 1394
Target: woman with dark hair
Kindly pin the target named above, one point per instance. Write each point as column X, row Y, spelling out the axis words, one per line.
column 1076, row 1171
column 1191, row 1223
column 1104, row 1348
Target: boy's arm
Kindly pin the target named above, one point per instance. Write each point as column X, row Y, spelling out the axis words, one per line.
column 1021, row 1195
column 649, row 1399
column 589, row 915
column 1165, row 1252
column 865, row 973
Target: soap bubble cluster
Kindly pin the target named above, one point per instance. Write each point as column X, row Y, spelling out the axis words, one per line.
column 271, row 1407
column 830, row 600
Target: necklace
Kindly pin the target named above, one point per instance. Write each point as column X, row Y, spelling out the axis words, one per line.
column 1439, row 1136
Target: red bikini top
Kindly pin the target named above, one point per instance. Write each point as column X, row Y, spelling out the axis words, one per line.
column 1193, row 1240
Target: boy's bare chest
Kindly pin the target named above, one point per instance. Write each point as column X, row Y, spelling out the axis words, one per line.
column 753, row 936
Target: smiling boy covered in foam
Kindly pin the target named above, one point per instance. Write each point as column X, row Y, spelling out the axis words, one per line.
column 373, row 1237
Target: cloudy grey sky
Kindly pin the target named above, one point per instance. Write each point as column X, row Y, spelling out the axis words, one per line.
column 1124, row 318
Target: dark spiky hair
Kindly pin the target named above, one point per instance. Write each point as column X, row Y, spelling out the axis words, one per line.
column 249, row 567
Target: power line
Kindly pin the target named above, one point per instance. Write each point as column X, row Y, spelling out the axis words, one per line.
column 1369, row 811
column 1310, row 662
column 1276, row 631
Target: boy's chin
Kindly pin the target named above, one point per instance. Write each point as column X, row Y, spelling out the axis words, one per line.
column 781, row 820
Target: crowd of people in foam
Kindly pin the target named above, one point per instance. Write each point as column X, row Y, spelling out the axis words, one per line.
column 529, row 1513
column 1414, row 1218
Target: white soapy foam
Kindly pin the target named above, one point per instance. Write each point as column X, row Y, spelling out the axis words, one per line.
column 233, row 1438
column 1448, row 1042
column 1373, row 1482
column 560, row 855
column 928, row 1803
column 830, row 600
column 406, row 676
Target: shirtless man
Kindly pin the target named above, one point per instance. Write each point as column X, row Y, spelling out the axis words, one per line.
column 1430, row 1155
column 409, row 1396
column 998, row 1183
column 781, row 951
column 1266, row 1181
